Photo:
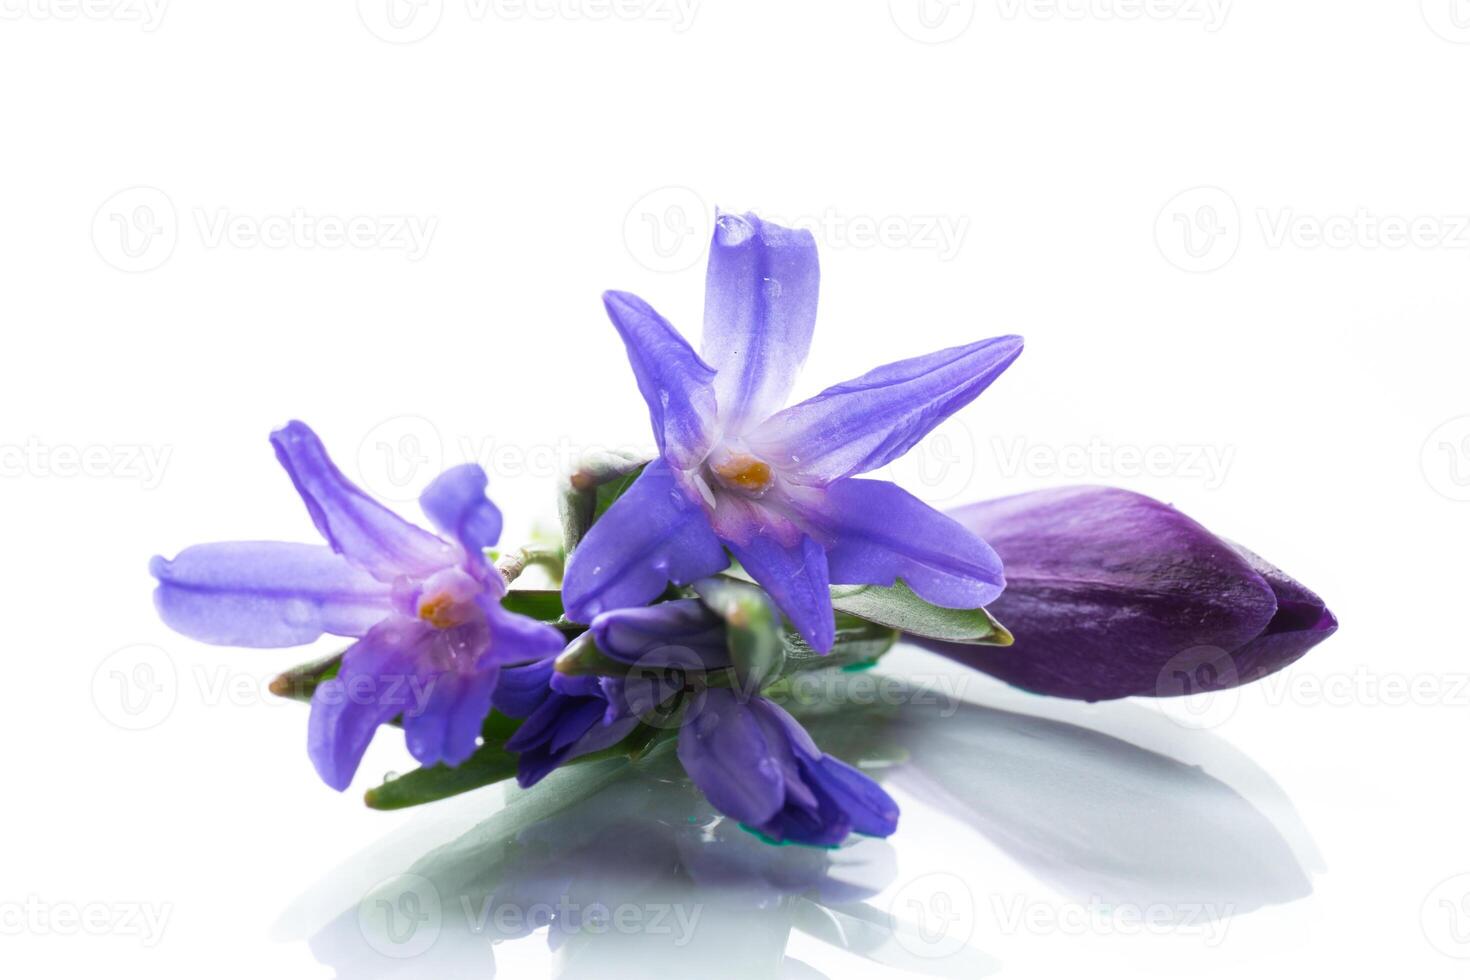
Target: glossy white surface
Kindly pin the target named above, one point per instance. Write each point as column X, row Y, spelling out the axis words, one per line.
column 1234, row 235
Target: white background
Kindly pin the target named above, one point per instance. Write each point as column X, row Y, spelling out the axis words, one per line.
column 1235, row 235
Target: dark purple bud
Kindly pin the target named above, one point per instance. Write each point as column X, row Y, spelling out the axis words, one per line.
column 1112, row 594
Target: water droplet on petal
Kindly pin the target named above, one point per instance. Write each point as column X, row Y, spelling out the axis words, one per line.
column 773, row 289
column 733, row 230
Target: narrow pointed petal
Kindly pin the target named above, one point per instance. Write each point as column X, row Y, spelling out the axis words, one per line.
column 760, row 307
column 456, row 504
column 357, row 527
column 881, row 533
column 652, row 536
column 675, row 383
column 1109, row 592
column 724, row 750
column 860, row 425
column 796, row 579
column 266, row 594
column 376, row 683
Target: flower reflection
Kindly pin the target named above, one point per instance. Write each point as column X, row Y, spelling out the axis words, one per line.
column 629, row 871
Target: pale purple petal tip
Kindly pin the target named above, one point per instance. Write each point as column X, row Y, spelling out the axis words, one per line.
column 456, row 504
column 359, row 528
column 266, row 594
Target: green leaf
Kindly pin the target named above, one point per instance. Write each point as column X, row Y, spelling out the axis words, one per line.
column 542, row 604
column 858, row 643
column 490, row 764
column 897, row 606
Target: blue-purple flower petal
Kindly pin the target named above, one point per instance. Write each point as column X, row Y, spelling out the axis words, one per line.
column 456, row 504
column 653, row 535
column 653, row 635
column 359, row 528
column 675, row 383
column 723, row 748
column 860, row 425
column 760, row 308
column 881, row 533
column 796, row 579
column 266, row 594
column 383, row 675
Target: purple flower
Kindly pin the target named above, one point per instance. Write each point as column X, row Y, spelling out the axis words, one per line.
column 1112, row 594
column 751, row 759
column 756, row 763
column 571, row 716
column 431, row 633
column 775, row 486
column 574, row 716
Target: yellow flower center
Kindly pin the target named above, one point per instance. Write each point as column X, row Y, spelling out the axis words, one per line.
column 744, row 471
column 440, row 612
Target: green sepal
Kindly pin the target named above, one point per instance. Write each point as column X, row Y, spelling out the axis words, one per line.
column 898, row 607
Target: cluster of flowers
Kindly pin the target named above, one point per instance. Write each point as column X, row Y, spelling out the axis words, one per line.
column 1103, row 584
